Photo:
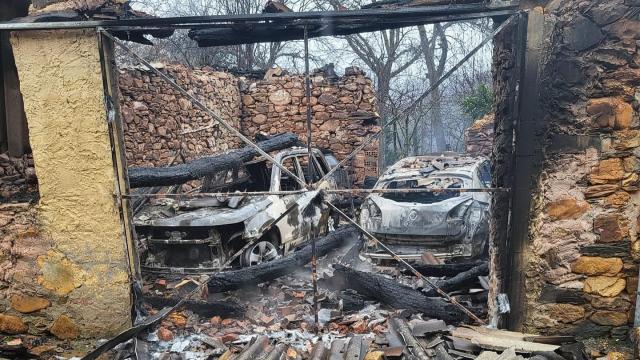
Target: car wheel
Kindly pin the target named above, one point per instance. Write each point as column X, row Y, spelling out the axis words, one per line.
column 261, row 252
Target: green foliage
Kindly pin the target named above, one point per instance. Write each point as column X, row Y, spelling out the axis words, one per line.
column 479, row 102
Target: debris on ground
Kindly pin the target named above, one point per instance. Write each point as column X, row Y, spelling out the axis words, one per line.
column 355, row 320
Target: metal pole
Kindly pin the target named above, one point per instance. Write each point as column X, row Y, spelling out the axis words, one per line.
column 314, row 260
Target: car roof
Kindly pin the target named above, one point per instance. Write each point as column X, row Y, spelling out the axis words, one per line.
column 445, row 164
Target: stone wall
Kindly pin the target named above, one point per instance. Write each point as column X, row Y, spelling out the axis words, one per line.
column 64, row 261
column 478, row 138
column 581, row 272
column 344, row 112
column 154, row 114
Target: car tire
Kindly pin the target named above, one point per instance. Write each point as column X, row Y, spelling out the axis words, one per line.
column 264, row 250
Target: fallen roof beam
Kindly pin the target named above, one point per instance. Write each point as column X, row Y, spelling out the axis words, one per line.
column 461, row 12
column 288, row 31
column 206, row 166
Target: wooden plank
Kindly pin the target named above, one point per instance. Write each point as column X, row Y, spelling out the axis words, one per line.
column 529, row 154
column 506, row 68
column 112, row 95
column 500, row 340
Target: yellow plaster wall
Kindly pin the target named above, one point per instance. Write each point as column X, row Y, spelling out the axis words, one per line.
column 86, row 269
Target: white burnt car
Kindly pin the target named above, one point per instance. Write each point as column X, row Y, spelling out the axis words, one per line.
column 204, row 234
column 450, row 224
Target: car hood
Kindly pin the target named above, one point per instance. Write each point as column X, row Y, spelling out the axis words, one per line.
column 169, row 216
column 414, row 218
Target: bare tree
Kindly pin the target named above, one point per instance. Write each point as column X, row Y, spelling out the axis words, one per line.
column 435, row 50
column 181, row 48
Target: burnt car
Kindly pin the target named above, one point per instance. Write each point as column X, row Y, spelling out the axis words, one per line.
column 207, row 234
column 450, row 223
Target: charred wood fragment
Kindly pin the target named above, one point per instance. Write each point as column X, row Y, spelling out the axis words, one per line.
column 232, row 280
column 398, row 3
column 269, row 32
column 397, row 296
column 206, row 166
column 462, row 280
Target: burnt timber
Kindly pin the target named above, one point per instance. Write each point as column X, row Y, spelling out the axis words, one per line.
column 394, row 16
column 463, row 279
column 444, row 270
column 232, row 280
column 206, row 166
column 398, row 296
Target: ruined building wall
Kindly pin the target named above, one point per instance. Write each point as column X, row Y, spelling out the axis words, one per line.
column 63, row 263
column 478, row 138
column 581, row 271
column 154, row 114
column 344, row 112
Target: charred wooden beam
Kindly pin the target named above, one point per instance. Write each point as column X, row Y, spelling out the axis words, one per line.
column 397, row 296
column 464, row 279
column 232, row 280
column 250, row 33
column 428, row 14
column 395, row 3
column 206, row 166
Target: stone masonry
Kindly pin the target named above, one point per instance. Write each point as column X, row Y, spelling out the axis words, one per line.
column 154, row 114
column 63, row 263
column 344, row 112
column 582, row 273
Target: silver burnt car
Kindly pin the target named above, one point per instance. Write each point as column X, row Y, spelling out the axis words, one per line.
column 450, row 224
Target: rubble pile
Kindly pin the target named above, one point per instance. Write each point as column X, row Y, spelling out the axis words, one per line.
column 277, row 320
column 344, row 112
column 478, row 138
column 154, row 114
column 17, row 179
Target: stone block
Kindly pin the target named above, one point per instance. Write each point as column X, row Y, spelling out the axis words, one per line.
column 609, row 318
column 12, row 325
column 581, row 33
column 600, row 190
column 618, row 199
column 564, row 313
column 611, row 227
column 280, row 97
column 597, row 266
column 28, row 304
column 568, row 208
column 608, row 171
column 604, row 286
column 64, row 328
column 613, row 113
